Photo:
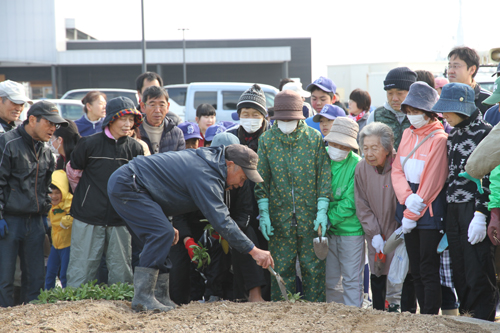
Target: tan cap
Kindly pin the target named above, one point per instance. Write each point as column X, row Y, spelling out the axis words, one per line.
column 246, row 158
column 344, row 132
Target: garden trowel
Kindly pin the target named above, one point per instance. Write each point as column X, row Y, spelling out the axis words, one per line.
column 320, row 245
column 281, row 283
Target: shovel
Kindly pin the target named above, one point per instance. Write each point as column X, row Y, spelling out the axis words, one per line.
column 320, row 245
column 281, row 283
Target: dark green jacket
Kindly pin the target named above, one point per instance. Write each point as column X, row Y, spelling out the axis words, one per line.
column 296, row 172
column 387, row 117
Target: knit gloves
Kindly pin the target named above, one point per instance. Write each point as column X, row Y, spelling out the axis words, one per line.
column 477, row 228
column 415, row 203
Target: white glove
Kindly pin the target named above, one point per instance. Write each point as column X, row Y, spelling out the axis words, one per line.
column 477, row 228
column 415, row 203
column 378, row 243
column 408, row 225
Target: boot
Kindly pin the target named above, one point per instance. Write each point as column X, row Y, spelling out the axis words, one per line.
column 451, row 312
column 144, row 284
column 162, row 292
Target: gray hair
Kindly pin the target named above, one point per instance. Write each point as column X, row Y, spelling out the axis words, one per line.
column 380, row 130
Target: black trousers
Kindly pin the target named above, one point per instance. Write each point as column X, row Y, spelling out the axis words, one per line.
column 473, row 265
column 247, row 274
column 186, row 284
column 421, row 245
column 379, row 290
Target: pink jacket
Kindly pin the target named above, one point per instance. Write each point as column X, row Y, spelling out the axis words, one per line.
column 427, row 167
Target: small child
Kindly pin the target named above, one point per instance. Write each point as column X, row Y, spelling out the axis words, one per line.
column 191, row 133
column 61, row 223
column 211, row 132
column 326, row 117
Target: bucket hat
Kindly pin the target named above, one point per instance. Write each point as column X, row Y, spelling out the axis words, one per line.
column 288, row 106
column 456, row 97
column 420, row 96
column 344, row 132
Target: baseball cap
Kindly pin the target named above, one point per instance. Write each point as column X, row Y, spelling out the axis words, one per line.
column 14, row 91
column 324, row 84
column 190, row 130
column 47, row 110
column 246, row 158
column 495, row 97
column 329, row 111
column 297, row 87
column 213, row 131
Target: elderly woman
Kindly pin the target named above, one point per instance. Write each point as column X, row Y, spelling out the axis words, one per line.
column 419, row 175
column 376, row 201
column 346, row 241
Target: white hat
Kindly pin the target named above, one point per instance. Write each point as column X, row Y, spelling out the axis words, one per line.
column 14, row 91
column 297, row 87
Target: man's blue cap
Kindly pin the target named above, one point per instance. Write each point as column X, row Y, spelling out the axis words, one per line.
column 190, row 130
column 213, row 131
column 456, row 97
column 324, row 84
column 329, row 111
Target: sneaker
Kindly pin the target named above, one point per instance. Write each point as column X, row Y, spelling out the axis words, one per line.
column 394, row 308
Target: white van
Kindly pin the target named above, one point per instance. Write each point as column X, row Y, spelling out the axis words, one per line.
column 222, row 95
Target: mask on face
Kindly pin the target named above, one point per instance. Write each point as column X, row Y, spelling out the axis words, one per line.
column 251, row 125
column 287, row 127
column 336, row 154
column 54, row 149
column 418, row 120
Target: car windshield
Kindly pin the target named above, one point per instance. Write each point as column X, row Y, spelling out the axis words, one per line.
column 178, row 94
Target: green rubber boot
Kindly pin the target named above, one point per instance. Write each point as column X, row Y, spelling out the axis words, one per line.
column 161, row 291
column 144, row 285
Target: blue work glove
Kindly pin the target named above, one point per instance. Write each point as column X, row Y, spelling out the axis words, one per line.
column 321, row 217
column 475, row 180
column 4, row 229
column 265, row 222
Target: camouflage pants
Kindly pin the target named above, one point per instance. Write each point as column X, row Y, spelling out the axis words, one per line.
column 284, row 252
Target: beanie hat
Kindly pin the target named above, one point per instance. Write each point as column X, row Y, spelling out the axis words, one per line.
column 421, row 96
column 456, row 97
column 119, row 107
column 254, row 98
column 288, row 106
column 400, row 78
column 344, row 132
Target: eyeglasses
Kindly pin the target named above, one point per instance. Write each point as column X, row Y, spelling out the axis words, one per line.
column 57, row 126
column 454, row 66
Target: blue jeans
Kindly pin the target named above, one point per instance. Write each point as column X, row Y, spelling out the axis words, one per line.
column 58, row 259
column 25, row 238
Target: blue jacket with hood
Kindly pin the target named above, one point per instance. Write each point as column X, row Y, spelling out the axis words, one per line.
column 188, row 180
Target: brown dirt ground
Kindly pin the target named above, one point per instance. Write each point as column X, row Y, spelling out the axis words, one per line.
column 116, row 316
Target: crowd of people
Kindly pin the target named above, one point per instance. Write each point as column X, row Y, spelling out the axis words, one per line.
column 135, row 193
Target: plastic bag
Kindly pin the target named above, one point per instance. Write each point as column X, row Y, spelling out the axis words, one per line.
column 399, row 265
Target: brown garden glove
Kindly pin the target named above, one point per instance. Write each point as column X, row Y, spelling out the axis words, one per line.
column 494, row 226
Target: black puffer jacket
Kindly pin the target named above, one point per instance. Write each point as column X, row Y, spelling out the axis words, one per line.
column 99, row 156
column 26, row 168
column 188, row 180
column 172, row 138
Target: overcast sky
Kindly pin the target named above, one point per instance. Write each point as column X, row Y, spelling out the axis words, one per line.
column 342, row 32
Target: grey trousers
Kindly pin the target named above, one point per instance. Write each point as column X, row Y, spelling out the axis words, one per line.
column 346, row 260
column 88, row 243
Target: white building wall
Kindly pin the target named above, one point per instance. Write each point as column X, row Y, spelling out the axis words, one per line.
column 28, row 28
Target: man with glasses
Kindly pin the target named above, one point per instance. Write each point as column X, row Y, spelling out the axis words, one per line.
column 463, row 63
column 158, row 131
column 26, row 166
column 13, row 98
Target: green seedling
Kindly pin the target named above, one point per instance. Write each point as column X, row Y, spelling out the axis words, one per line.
column 90, row 290
column 293, row 298
column 200, row 255
column 211, row 230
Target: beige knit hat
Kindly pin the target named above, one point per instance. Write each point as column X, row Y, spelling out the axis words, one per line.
column 288, row 106
column 344, row 132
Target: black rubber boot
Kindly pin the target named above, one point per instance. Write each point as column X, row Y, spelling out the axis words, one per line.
column 161, row 290
column 144, row 297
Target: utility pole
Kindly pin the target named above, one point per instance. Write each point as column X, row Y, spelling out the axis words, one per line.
column 143, row 40
column 184, row 54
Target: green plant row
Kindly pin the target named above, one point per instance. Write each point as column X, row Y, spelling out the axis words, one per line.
column 90, row 290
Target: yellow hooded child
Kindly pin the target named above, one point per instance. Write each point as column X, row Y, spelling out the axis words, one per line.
column 59, row 216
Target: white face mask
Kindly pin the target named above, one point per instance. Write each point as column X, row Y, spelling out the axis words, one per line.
column 418, row 120
column 287, row 127
column 336, row 154
column 54, row 149
column 251, row 125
